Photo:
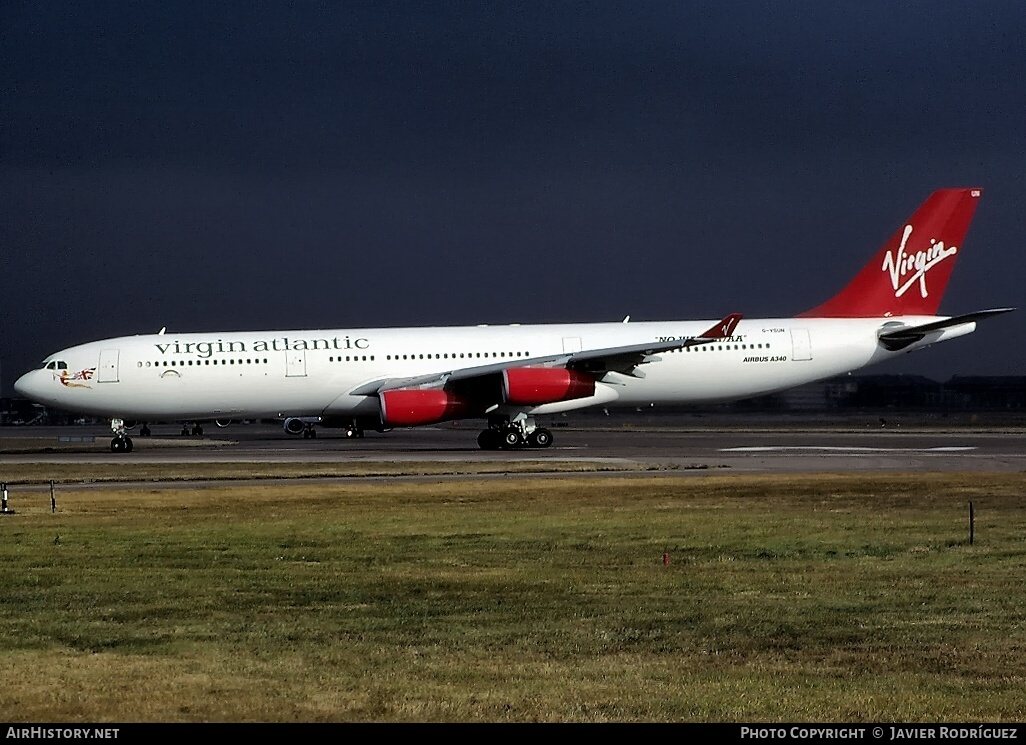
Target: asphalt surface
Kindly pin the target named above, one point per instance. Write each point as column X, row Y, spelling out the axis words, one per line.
column 737, row 447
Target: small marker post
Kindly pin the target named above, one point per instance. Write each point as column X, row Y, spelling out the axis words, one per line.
column 3, row 498
column 972, row 523
column 53, row 498
column 666, row 558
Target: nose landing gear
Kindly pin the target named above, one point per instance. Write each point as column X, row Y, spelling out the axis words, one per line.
column 121, row 443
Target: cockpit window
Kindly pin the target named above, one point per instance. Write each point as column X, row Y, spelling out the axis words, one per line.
column 61, row 365
column 51, row 365
column 56, row 365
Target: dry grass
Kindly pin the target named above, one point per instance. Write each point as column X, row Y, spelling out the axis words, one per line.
column 72, row 473
column 815, row 598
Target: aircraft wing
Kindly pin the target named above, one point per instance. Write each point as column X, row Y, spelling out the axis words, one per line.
column 624, row 359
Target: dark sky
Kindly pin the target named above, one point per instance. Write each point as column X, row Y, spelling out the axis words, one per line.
column 254, row 165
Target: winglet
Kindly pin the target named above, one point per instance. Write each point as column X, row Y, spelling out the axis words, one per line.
column 723, row 328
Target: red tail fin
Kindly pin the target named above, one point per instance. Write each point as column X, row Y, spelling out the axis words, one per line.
column 908, row 276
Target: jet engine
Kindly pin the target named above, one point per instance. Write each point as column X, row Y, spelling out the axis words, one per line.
column 532, row 386
column 415, row 406
column 294, row 425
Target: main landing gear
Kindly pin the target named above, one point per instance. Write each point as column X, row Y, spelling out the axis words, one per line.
column 121, row 443
column 306, row 426
column 519, row 433
column 352, row 431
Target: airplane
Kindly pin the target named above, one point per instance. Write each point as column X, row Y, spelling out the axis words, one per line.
column 384, row 378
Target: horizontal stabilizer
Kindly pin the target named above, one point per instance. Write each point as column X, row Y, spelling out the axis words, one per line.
column 895, row 338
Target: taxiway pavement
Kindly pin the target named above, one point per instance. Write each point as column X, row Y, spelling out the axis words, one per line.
column 734, row 449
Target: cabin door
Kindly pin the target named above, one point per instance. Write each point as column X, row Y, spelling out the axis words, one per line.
column 295, row 363
column 108, row 372
column 801, row 345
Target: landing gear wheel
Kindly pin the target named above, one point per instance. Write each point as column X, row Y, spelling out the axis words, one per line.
column 144, row 431
column 185, row 430
column 540, row 438
column 512, row 439
column 309, row 433
column 121, row 445
column 489, row 439
column 197, row 430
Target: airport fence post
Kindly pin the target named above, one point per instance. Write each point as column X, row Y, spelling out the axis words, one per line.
column 53, row 498
column 3, row 491
column 972, row 524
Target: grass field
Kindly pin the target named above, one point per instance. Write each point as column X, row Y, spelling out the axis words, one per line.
column 798, row 598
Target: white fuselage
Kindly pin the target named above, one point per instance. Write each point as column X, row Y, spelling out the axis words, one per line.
column 313, row 373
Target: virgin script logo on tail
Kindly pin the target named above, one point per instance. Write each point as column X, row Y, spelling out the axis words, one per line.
column 905, row 269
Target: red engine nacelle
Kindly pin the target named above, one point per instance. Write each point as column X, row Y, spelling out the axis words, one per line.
column 414, row 406
column 533, row 386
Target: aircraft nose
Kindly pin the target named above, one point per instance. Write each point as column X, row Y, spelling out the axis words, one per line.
column 29, row 385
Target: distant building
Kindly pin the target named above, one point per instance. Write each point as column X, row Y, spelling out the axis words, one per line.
column 910, row 392
column 995, row 393
column 18, row 411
